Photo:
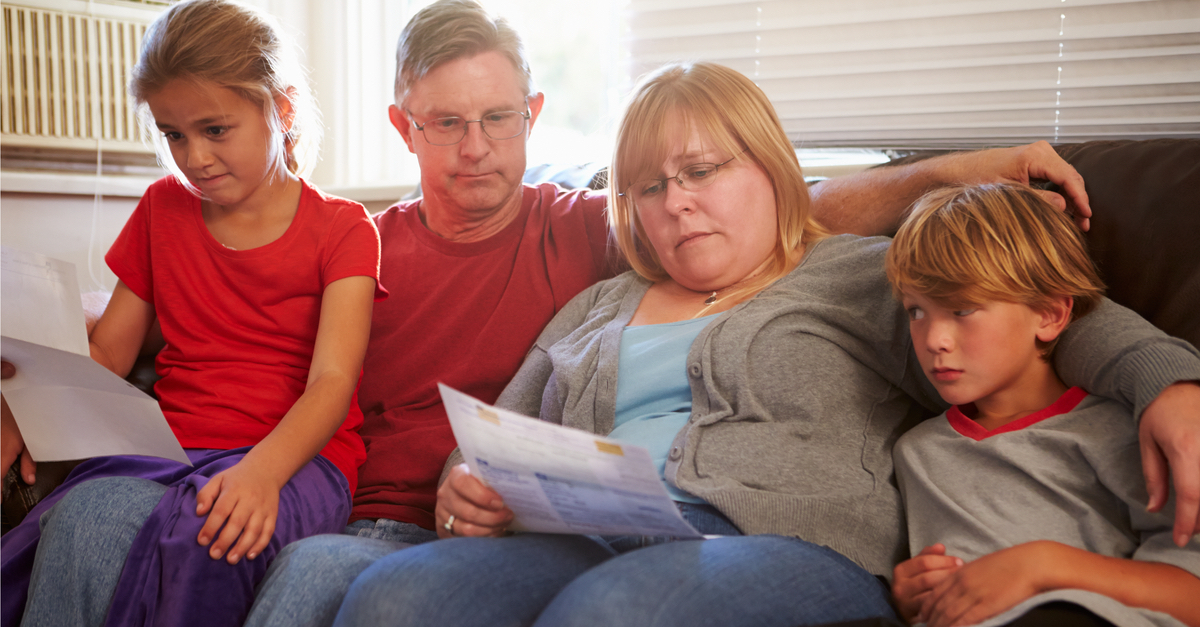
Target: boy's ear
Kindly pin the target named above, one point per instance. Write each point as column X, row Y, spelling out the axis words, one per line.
column 1055, row 318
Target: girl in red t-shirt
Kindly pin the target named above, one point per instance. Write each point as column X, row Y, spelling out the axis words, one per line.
column 263, row 288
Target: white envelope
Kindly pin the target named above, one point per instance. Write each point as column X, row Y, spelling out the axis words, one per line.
column 67, row 405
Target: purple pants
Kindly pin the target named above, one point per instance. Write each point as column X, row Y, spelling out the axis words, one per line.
column 168, row 578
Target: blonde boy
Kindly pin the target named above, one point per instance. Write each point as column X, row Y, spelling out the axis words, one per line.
column 1026, row 497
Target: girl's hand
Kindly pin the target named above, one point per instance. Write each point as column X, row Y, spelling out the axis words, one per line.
column 915, row 578
column 989, row 585
column 477, row 509
column 245, row 499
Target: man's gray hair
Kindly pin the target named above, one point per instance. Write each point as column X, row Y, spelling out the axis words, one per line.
column 452, row 29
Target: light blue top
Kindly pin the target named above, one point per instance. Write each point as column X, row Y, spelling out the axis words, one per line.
column 654, row 399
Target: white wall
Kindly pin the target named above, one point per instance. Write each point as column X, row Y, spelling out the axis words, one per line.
column 60, row 226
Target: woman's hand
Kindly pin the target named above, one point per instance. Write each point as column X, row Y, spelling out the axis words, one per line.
column 1169, row 432
column 477, row 510
column 12, row 445
column 914, row 578
column 989, row 585
column 246, row 500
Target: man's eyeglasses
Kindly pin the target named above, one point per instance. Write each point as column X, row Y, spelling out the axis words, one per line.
column 450, row 131
column 649, row 193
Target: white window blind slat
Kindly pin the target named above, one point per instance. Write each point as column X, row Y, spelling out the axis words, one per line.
column 913, row 73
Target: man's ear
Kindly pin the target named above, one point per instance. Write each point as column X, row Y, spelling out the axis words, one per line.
column 535, row 107
column 1055, row 318
column 400, row 121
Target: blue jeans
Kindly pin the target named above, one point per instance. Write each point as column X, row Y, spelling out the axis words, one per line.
column 308, row 579
column 77, row 566
column 577, row 580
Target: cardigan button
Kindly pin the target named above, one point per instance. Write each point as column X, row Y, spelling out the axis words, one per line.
column 695, row 371
column 676, row 453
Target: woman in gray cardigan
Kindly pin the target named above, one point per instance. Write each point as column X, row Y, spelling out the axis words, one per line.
column 764, row 363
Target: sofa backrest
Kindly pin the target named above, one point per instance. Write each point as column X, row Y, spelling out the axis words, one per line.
column 1145, row 234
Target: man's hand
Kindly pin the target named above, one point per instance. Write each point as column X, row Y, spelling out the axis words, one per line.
column 915, row 578
column 12, row 445
column 875, row 201
column 1170, row 434
column 477, row 510
column 1021, row 164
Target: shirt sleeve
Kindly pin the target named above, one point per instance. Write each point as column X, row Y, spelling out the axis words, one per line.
column 1115, row 353
column 129, row 256
column 353, row 248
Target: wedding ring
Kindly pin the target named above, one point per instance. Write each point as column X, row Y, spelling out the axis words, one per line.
column 449, row 524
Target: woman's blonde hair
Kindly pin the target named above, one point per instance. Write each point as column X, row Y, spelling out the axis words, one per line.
column 737, row 115
column 237, row 47
column 966, row 245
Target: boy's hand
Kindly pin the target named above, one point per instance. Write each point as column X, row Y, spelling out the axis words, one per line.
column 988, row 586
column 914, row 578
column 246, row 500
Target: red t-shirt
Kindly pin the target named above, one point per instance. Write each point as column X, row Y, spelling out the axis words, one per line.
column 463, row 314
column 240, row 325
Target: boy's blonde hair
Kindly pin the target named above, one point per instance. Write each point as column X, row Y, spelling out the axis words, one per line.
column 237, row 47
column 966, row 245
column 738, row 116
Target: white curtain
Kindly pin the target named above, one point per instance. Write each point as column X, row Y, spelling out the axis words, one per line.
column 924, row 73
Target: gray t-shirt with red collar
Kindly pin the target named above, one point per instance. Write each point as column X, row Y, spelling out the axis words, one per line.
column 1070, row 473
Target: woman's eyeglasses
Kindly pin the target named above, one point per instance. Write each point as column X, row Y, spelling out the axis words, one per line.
column 652, row 193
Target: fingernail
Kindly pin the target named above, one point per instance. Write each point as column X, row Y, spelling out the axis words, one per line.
column 233, row 558
column 1181, row 540
column 215, row 554
column 30, row 479
column 958, row 560
column 204, row 540
column 251, row 555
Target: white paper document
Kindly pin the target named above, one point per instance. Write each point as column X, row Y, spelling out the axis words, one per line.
column 561, row 480
column 67, row 405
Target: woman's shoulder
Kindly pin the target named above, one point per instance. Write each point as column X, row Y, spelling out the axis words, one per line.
column 595, row 307
column 608, row 291
column 840, row 261
column 847, row 249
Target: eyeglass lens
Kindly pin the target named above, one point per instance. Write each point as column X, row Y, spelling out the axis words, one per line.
column 498, row 125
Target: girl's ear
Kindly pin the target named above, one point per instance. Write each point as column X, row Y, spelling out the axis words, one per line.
column 287, row 113
column 1055, row 318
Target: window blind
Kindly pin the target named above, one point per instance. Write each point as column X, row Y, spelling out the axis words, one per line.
column 926, row 74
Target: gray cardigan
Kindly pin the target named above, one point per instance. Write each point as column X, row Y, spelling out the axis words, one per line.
column 799, row 394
